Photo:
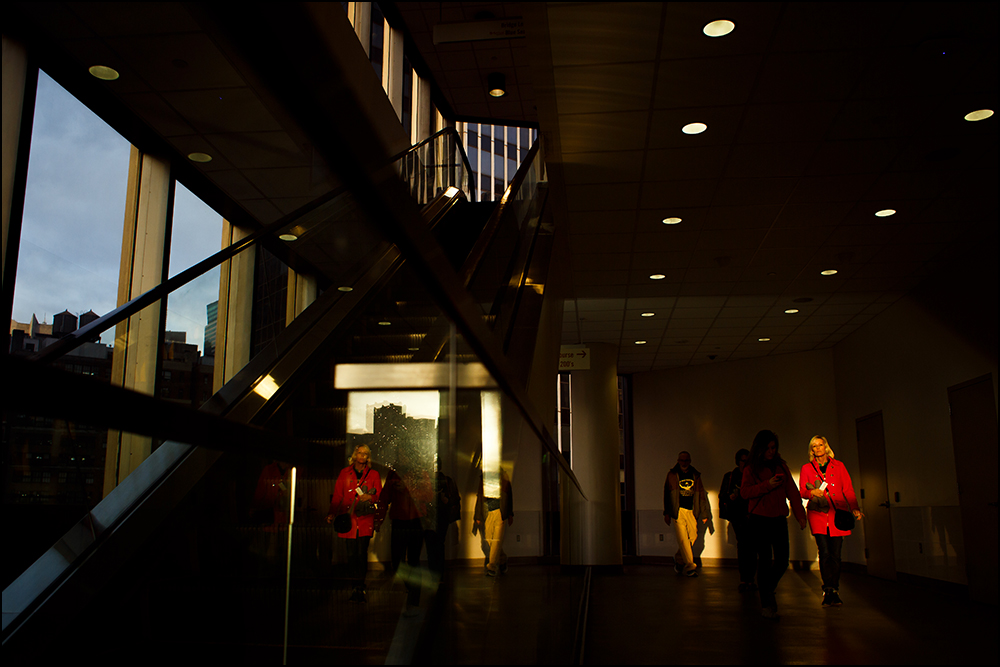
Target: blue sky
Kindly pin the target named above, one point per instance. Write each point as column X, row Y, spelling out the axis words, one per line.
column 73, row 219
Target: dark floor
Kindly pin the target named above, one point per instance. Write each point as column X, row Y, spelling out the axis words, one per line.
column 650, row 615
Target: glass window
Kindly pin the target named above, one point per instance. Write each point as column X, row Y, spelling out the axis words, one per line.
column 407, row 97
column 74, row 204
column 377, row 40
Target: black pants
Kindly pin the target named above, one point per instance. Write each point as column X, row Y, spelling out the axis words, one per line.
column 770, row 535
column 829, row 560
column 357, row 560
column 746, row 555
column 408, row 540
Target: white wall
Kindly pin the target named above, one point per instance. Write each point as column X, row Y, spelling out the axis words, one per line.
column 714, row 410
column 901, row 362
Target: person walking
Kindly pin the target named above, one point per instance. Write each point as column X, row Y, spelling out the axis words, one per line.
column 733, row 508
column 352, row 513
column 685, row 503
column 767, row 485
column 826, row 484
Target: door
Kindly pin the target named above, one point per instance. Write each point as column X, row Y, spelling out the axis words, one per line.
column 974, row 434
column 874, row 497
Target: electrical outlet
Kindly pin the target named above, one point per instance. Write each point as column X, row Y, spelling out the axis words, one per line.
column 661, row 537
column 518, row 538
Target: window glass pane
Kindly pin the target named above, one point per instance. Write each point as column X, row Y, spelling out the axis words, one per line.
column 67, row 275
column 377, row 40
column 74, row 205
column 187, row 354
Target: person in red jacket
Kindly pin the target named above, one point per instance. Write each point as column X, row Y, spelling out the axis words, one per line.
column 767, row 485
column 355, row 494
column 825, row 483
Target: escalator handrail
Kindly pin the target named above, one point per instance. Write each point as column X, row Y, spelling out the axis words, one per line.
column 93, row 330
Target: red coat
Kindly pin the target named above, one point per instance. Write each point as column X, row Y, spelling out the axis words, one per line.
column 770, row 502
column 343, row 496
column 839, row 491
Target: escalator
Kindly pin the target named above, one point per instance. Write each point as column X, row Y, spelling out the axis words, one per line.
column 188, row 554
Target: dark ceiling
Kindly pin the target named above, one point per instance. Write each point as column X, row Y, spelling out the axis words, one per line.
column 819, row 115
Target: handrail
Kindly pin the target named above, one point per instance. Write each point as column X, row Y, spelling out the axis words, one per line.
column 94, row 329
column 470, row 192
column 437, row 337
column 493, row 223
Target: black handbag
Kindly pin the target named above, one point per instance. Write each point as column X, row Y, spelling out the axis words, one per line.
column 843, row 519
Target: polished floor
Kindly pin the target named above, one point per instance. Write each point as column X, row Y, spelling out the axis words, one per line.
column 649, row 615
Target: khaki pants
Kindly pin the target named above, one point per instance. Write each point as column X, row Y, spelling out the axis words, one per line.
column 495, row 529
column 686, row 530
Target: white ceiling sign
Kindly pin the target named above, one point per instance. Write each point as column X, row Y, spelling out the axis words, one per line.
column 574, row 358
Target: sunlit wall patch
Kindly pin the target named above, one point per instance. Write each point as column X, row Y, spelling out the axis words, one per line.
column 266, row 388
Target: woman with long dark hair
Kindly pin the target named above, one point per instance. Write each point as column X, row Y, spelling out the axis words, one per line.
column 825, row 483
column 767, row 485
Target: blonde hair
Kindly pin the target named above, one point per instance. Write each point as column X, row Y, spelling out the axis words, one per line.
column 357, row 449
column 829, row 451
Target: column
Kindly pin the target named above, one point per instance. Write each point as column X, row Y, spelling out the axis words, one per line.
column 590, row 531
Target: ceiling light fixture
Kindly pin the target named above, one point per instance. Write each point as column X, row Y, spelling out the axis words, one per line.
column 199, row 157
column 385, row 323
column 792, row 310
column 105, row 73
column 885, row 213
column 980, row 114
column 657, row 276
column 694, row 128
column 640, row 342
column 345, row 288
column 496, row 82
column 288, row 237
column 671, row 221
column 647, row 314
column 719, row 28
column 828, row 272
column 763, row 340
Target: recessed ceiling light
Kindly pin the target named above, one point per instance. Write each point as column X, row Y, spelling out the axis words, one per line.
column 828, row 272
column 648, row 314
column 694, row 128
column 385, row 323
column 288, row 237
column 413, row 349
column 719, row 28
column 345, row 288
column 496, row 83
column 109, row 74
column 199, row 157
column 792, row 310
column 981, row 114
column 671, row 221
column 657, row 276
column 763, row 340
column 885, row 213
column 640, row 342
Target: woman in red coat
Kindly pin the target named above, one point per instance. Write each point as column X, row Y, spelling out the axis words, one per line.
column 358, row 488
column 824, row 482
